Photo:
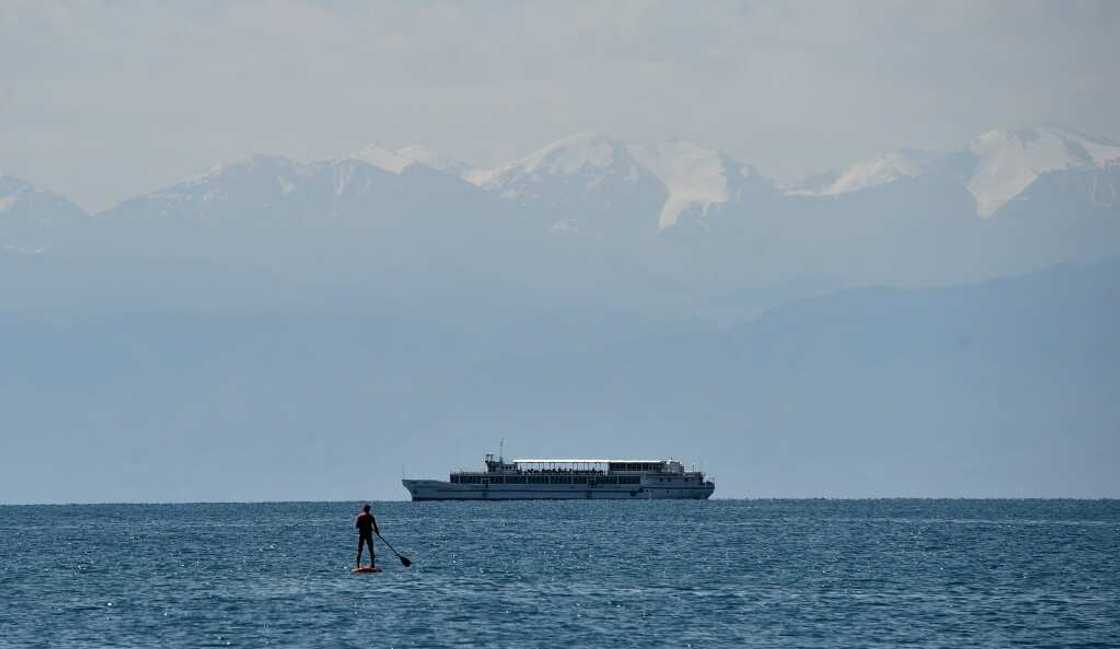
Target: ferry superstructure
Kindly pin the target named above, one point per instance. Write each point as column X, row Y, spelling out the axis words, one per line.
column 567, row 479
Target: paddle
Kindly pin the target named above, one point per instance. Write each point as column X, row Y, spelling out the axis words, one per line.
column 405, row 561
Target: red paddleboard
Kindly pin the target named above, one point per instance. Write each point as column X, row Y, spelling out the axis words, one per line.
column 361, row 569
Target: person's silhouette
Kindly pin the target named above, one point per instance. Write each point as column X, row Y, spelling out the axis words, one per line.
column 367, row 527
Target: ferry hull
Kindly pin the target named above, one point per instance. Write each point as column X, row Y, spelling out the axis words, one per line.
column 441, row 490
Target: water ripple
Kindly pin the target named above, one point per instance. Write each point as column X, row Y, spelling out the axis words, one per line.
column 719, row 573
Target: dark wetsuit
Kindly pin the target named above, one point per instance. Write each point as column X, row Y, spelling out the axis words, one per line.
column 366, row 526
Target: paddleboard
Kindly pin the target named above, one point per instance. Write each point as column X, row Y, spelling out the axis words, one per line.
column 362, row 569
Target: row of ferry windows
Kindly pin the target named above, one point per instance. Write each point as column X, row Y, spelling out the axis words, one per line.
column 545, row 479
column 635, row 466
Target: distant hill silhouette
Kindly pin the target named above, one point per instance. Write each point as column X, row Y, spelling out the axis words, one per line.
column 1004, row 388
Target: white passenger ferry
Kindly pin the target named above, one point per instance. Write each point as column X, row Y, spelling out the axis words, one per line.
column 566, row 479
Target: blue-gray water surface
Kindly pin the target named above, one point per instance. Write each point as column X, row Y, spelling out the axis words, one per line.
column 867, row 573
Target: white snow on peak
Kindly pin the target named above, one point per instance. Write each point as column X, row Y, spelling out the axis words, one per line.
column 694, row 176
column 572, row 155
column 422, row 155
column 1103, row 153
column 385, row 159
column 575, row 154
column 1008, row 161
column 877, row 171
column 397, row 160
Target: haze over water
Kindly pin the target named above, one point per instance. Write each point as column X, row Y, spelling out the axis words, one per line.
column 295, row 252
column 846, row 250
column 766, row 573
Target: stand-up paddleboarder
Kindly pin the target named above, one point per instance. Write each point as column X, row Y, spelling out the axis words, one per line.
column 367, row 527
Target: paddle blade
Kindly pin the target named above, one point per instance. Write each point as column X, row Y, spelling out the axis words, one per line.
column 405, row 561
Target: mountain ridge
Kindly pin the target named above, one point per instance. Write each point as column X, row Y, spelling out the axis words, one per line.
column 1001, row 388
column 672, row 217
column 996, row 167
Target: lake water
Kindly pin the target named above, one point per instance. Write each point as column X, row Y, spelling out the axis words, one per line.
column 866, row 573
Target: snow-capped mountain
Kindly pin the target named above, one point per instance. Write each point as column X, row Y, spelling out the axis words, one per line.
column 585, row 154
column 996, row 168
column 685, row 214
column 599, row 187
column 654, row 185
column 696, row 178
column 880, row 170
column 1008, row 161
column 273, row 189
column 19, row 198
column 584, row 184
column 397, row 160
column 30, row 217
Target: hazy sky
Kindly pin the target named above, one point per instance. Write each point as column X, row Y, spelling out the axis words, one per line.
column 102, row 100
